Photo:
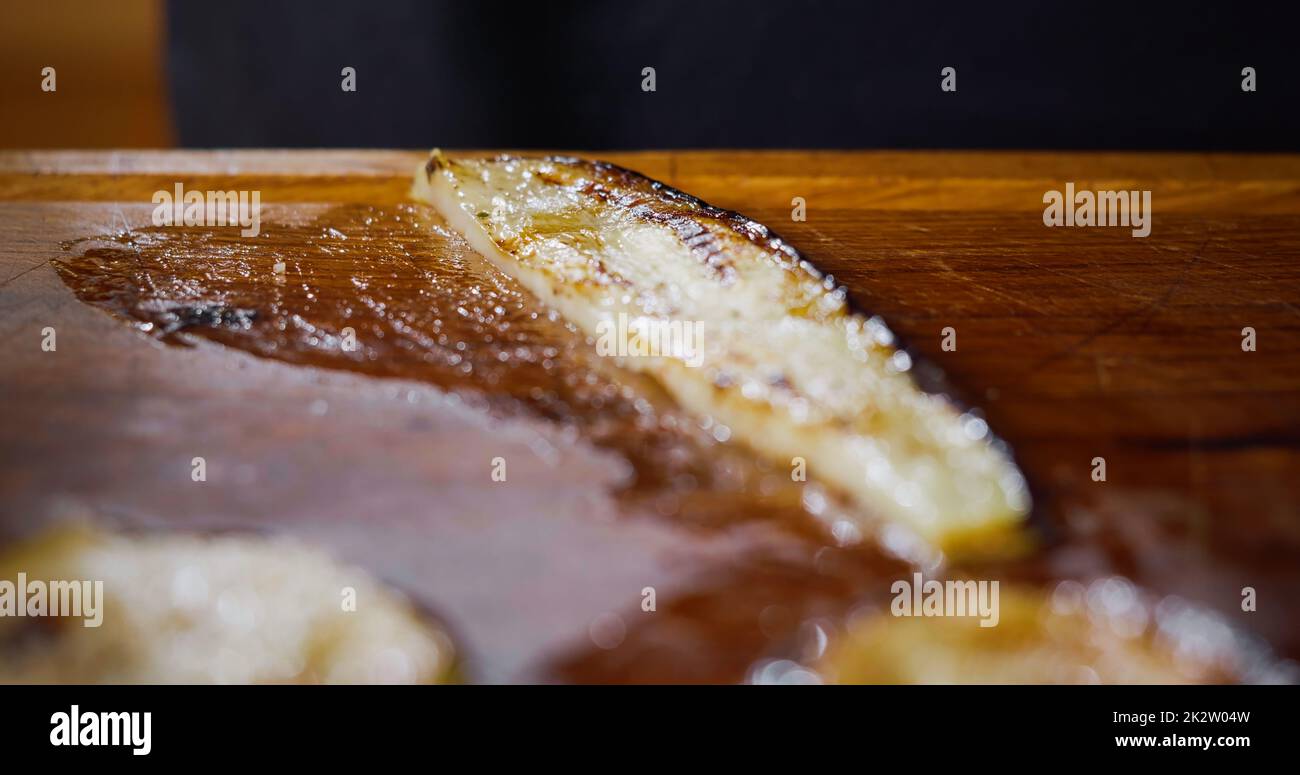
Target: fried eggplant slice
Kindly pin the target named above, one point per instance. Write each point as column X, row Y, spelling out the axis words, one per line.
column 771, row 351
column 1058, row 638
column 198, row 609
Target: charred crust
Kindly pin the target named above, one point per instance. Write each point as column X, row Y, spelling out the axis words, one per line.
column 925, row 374
column 437, row 161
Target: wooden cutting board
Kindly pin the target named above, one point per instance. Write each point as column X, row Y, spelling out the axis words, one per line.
column 1077, row 343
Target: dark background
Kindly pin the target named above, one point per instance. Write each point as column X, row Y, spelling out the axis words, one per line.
column 809, row 74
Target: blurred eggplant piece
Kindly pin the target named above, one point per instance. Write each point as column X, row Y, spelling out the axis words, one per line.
column 1101, row 634
column 172, row 608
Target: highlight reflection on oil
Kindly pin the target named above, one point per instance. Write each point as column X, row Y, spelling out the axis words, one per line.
column 423, row 306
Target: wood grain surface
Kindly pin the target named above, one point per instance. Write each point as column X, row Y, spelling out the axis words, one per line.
column 1076, row 343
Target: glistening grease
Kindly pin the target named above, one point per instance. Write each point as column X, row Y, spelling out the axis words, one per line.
column 423, row 306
